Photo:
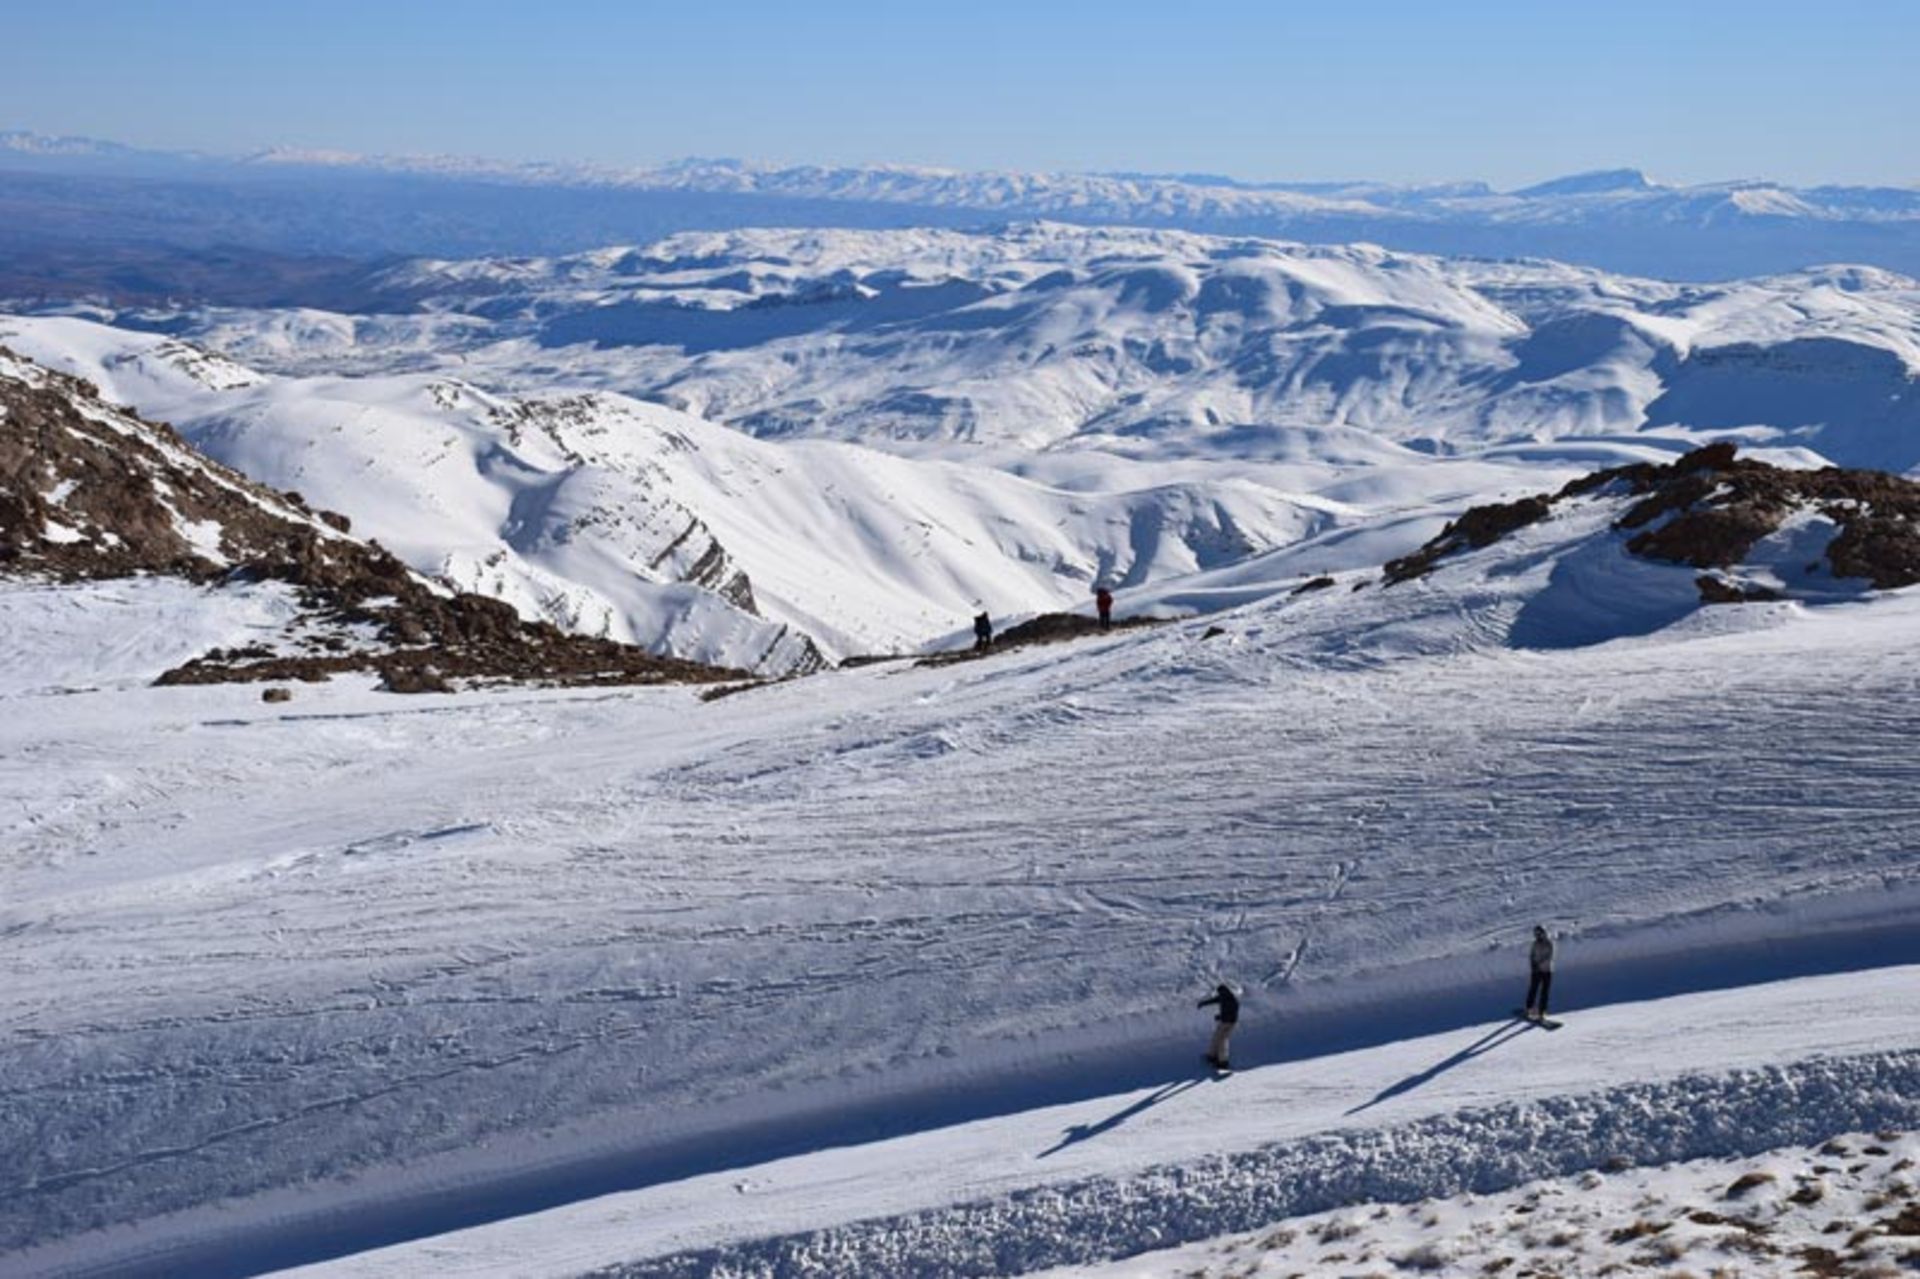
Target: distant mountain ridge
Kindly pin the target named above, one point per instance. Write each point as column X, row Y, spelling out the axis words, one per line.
column 1154, row 345
column 324, row 201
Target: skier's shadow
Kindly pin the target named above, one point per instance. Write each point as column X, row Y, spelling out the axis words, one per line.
column 1085, row 1132
column 1502, row 1034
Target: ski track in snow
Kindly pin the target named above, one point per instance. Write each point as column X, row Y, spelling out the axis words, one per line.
column 1486, row 1105
column 255, row 949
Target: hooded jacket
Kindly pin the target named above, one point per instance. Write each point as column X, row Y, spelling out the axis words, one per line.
column 1229, row 1005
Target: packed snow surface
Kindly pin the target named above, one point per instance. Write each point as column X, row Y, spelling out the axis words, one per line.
column 1480, row 1109
column 346, row 950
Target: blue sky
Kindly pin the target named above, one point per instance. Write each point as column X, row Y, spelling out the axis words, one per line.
column 1691, row 90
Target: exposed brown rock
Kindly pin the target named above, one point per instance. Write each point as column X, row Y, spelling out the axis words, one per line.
column 1709, row 507
column 1884, row 549
column 1479, row 526
column 1717, row 590
column 1043, row 628
column 90, row 491
column 1710, row 536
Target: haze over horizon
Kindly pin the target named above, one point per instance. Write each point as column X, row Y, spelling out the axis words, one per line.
column 1508, row 93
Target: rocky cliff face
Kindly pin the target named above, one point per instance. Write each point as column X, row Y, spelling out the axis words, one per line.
column 88, row 491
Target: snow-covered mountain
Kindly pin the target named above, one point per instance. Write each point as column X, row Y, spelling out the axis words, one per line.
column 952, row 421
column 609, row 516
column 322, row 200
column 88, row 492
column 1159, row 346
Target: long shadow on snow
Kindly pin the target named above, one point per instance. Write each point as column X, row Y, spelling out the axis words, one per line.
column 1493, row 1039
column 1086, row 1132
column 1267, row 1033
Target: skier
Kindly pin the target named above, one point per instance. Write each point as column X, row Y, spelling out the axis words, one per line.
column 1223, row 1024
column 982, row 632
column 1540, row 980
column 1103, row 600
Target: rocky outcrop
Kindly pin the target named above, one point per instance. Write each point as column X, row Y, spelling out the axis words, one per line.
column 1709, row 508
column 1479, row 526
column 87, row 490
column 1042, row 628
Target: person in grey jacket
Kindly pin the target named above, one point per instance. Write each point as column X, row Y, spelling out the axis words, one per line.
column 1540, row 980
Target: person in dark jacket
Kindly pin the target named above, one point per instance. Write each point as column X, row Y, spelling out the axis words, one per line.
column 982, row 631
column 1223, row 1023
column 1540, row 970
column 1103, row 600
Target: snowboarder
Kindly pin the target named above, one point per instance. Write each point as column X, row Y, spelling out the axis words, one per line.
column 1540, row 980
column 1103, row 600
column 982, row 631
column 1223, row 1024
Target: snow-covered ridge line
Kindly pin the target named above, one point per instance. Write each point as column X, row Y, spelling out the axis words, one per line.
column 1152, row 345
column 1113, row 193
column 91, row 492
column 1743, row 1112
column 609, row 516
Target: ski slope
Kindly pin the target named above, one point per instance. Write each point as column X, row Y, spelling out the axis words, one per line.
column 1482, row 1108
column 282, row 965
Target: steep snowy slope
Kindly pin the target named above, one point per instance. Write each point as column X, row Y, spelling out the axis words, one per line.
column 432, row 954
column 90, row 492
column 1153, row 345
column 613, row 517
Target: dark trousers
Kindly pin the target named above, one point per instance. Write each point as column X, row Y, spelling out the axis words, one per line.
column 1539, row 984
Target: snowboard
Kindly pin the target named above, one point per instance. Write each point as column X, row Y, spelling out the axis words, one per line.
column 1219, row 1071
column 1545, row 1023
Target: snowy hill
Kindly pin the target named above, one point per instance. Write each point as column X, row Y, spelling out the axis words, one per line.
column 1153, row 345
column 607, row 516
column 438, row 966
column 950, row 421
column 89, row 492
column 1464, row 617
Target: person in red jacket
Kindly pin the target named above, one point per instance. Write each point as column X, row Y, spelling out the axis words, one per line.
column 1103, row 600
